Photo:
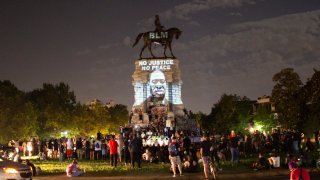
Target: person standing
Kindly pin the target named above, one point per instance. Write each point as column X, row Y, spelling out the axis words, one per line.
column 97, row 149
column 205, row 154
column 186, row 143
column 92, row 147
column 135, row 147
column 55, row 148
column 174, row 157
column 30, row 148
column 79, row 148
column 43, row 149
column 24, row 145
column 126, row 152
column 69, row 148
column 87, row 146
column 120, row 147
column 113, row 146
column 62, row 151
column 276, row 140
column 103, row 148
column 234, row 148
column 50, row 148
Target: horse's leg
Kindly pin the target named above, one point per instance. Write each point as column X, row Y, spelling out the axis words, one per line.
column 169, row 44
column 164, row 50
column 144, row 46
column 149, row 47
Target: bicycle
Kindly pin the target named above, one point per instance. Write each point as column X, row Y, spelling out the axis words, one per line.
column 318, row 161
column 213, row 168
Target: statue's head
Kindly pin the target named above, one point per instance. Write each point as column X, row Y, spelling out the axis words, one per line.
column 157, row 84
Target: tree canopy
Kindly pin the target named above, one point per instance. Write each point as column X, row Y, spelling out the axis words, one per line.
column 232, row 112
column 52, row 109
column 285, row 97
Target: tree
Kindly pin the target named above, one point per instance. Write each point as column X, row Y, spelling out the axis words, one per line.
column 232, row 112
column 55, row 104
column 119, row 116
column 17, row 116
column 83, row 122
column 311, row 108
column 285, row 97
column 202, row 120
column 102, row 119
column 52, row 109
column 264, row 117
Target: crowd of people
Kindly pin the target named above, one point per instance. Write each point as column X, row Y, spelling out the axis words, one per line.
column 132, row 148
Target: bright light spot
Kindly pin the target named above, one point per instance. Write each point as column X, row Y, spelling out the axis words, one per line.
column 161, row 142
column 10, row 170
column 251, row 130
column 259, row 127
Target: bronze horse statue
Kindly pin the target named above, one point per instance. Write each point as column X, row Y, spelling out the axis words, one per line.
column 160, row 37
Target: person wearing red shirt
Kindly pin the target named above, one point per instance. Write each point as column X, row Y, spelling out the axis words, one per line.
column 113, row 145
column 299, row 172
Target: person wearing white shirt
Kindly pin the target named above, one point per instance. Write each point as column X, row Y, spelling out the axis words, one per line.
column 274, row 160
column 97, row 149
column 69, row 148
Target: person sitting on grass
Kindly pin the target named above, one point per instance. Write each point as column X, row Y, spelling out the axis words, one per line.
column 274, row 160
column 147, row 156
column 262, row 163
column 190, row 165
column 73, row 170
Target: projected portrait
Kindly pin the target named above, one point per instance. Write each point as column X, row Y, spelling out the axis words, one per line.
column 157, row 100
column 158, row 86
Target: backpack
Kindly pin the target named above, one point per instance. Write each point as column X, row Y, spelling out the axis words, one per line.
column 97, row 145
column 173, row 150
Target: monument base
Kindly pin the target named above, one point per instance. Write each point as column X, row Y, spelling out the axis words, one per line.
column 158, row 104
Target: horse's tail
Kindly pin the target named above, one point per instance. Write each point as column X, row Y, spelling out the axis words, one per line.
column 137, row 39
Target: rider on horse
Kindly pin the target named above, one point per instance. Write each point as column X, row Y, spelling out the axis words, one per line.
column 158, row 25
column 159, row 36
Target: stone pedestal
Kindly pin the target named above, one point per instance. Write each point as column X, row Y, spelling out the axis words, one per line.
column 157, row 85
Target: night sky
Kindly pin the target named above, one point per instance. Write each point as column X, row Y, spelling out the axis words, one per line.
column 227, row 46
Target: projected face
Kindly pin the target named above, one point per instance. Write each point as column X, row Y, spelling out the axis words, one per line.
column 157, row 84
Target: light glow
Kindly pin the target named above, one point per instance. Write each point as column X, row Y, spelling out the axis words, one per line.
column 10, row 170
column 259, row 127
column 251, row 130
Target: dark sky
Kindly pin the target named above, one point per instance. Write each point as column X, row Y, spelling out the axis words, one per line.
column 227, row 46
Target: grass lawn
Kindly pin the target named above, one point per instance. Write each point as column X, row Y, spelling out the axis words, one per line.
column 103, row 168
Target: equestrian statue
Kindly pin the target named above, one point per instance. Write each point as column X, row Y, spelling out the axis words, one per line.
column 159, row 36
